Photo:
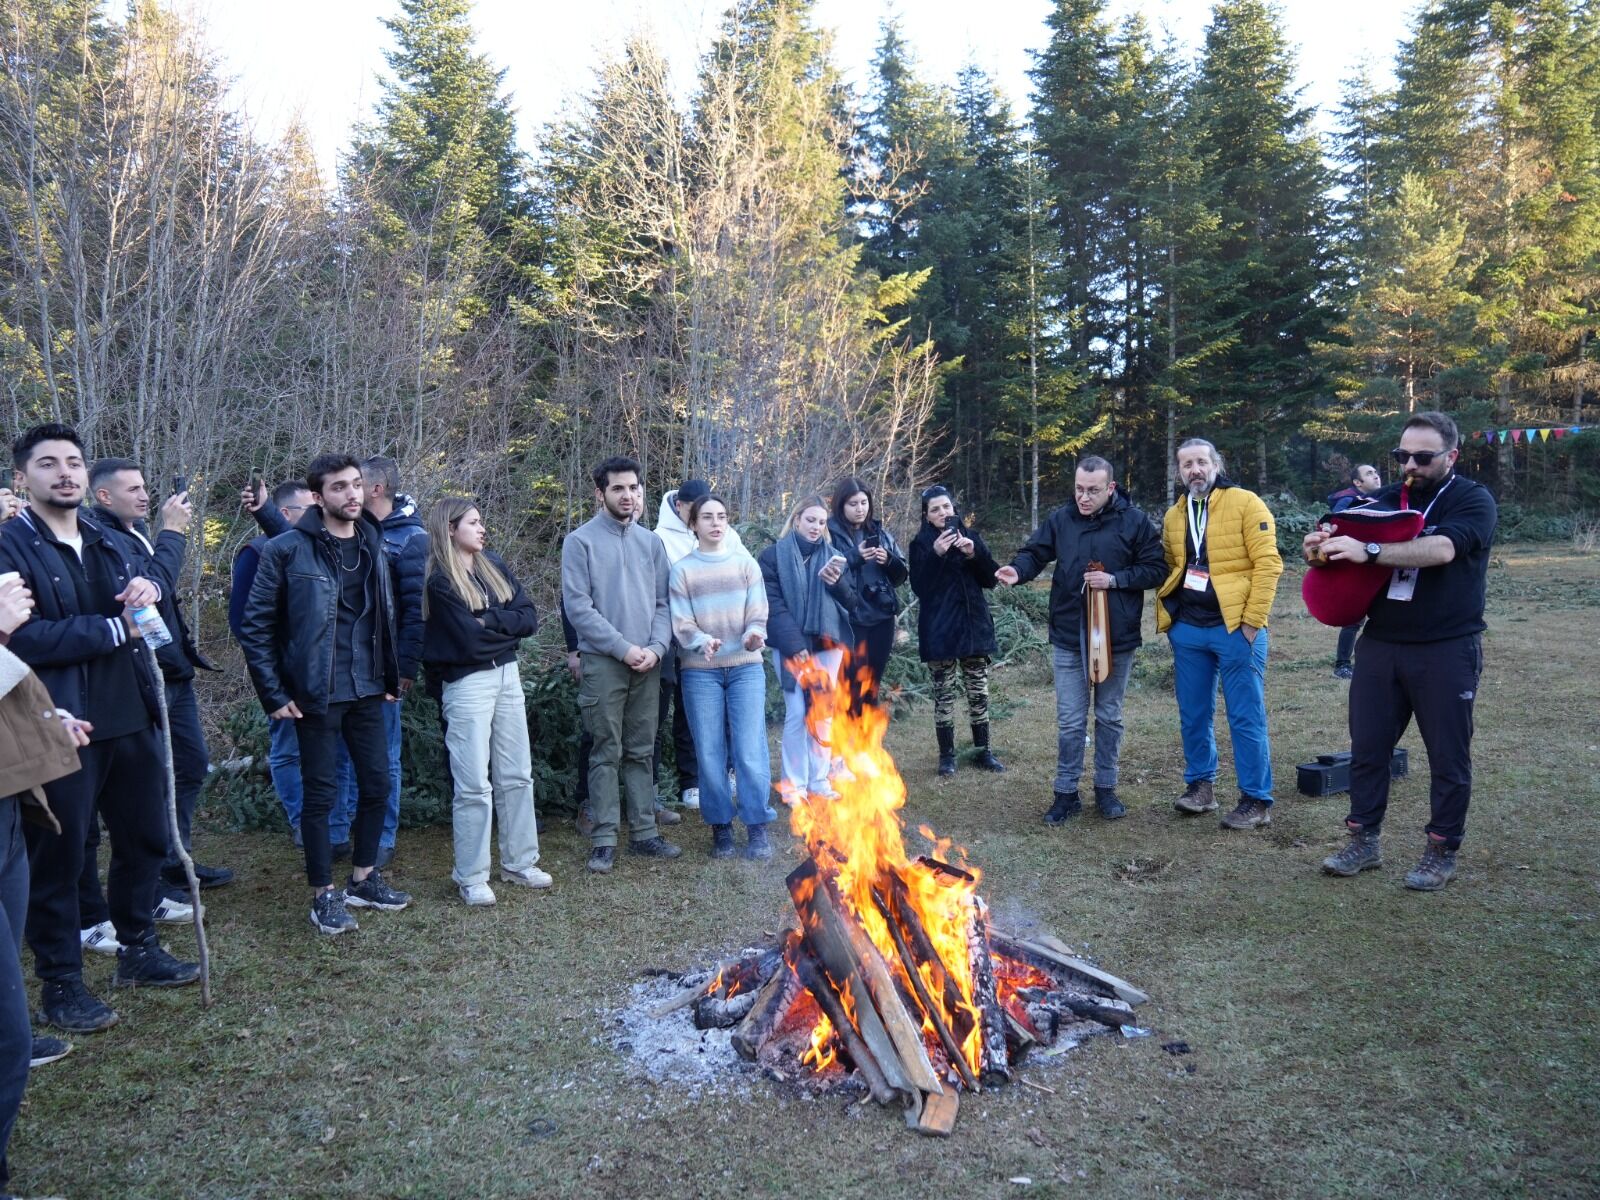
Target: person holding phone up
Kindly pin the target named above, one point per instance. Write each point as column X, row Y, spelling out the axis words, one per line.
column 809, row 601
column 875, row 567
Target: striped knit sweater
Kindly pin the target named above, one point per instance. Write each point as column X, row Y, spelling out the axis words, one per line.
column 716, row 596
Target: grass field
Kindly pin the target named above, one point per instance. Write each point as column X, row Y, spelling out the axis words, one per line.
column 1349, row 1038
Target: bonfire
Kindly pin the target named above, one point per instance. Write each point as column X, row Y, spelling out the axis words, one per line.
column 895, row 975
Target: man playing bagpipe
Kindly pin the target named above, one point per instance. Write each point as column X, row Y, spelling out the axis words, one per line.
column 1417, row 559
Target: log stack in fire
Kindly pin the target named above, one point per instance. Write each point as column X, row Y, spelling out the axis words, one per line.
column 895, row 974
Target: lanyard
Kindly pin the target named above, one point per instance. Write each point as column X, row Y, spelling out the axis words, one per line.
column 1199, row 515
column 1435, row 499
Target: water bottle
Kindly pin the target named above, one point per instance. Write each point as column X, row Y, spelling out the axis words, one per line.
column 151, row 627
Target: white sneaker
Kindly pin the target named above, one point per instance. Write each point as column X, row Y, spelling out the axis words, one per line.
column 533, row 877
column 477, row 895
column 172, row 912
column 101, row 938
column 691, row 797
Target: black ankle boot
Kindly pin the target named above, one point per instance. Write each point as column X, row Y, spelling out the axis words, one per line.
column 982, row 756
column 1105, row 799
column 947, row 749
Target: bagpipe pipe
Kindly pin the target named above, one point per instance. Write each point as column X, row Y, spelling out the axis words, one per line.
column 1338, row 592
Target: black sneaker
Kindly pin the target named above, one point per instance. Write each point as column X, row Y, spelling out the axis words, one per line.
column 68, row 1005
column 329, row 915
column 722, row 841
column 656, row 847
column 48, row 1050
column 1344, row 671
column 151, row 966
column 756, row 845
column 208, row 877
column 373, row 892
column 1067, row 805
column 1110, row 806
column 602, row 859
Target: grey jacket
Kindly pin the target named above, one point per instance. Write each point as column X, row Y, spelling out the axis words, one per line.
column 614, row 586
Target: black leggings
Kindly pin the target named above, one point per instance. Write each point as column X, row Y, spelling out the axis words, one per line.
column 875, row 642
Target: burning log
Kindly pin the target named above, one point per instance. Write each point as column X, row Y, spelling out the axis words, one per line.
column 771, row 1003
column 930, row 1009
column 1113, row 1013
column 923, row 950
column 996, row 1066
column 722, row 1012
column 821, row 988
column 1053, row 955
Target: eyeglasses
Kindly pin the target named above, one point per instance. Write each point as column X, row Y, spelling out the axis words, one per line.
column 1422, row 458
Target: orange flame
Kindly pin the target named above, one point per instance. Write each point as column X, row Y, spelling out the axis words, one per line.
column 857, row 841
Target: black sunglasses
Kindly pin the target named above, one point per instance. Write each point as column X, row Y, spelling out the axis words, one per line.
column 1423, row 457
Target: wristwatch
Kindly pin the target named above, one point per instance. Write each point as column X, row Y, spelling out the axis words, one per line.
column 1372, row 551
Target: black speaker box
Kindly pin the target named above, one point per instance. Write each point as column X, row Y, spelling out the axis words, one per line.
column 1330, row 774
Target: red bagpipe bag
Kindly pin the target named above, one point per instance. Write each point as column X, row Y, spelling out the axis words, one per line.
column 1340, row 593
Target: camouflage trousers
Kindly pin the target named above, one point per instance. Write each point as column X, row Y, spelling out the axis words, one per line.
column 975, row 681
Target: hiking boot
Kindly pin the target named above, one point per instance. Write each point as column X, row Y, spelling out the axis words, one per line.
column 329, row 915
column 656, row 847
column 1360, row 853
column 1066, row 806
column 151, row 966
column 1105, row 799
column 47, row 1050
column 1434, row 869
column 532, row 877
column 1197, row 798
column 722, row 841
column 1248, row 814
column 585, row 820
column 1344, row 671
column 756, row 845
column 476, row 895
column 207, row 877
column 666, row 816
column 68, row 1005
column 171, row 910
column 602, row 859
column 947, row 748
column 982, row 757
column 373, row 892
column 101, row 938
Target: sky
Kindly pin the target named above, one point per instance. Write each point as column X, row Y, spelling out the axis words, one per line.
column 322, row 59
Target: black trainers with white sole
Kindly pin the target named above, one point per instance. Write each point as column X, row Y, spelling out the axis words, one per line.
column 373, row 892
column 329, row 915
column 47, row 1050
column 149, row 965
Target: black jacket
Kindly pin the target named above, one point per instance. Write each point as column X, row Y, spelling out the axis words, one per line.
column 287, row 629
column 953, row 620
column 458, row 641
column 874, row 585
column 1122, row 538
column 164, row 565
column 59, row 642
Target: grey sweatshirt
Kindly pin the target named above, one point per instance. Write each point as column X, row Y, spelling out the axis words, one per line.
column 614, row 586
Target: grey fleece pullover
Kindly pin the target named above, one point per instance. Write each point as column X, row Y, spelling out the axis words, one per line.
column 614, row 585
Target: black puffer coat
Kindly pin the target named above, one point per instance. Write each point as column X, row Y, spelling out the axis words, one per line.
column 953, row 620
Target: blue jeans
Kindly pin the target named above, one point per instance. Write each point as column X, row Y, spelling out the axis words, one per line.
column 283, row 761
column 724, row 701
column 391, row 812
column 1199, row 656
column 190, row 762
column 16, row 1029
column 1072, row 718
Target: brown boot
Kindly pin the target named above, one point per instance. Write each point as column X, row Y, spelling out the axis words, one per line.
column 1436, row 868
column 1248, row 814
column 1197, row 798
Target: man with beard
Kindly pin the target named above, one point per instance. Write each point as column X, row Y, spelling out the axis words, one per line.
column 87, row 650
column 1223, row 568
column 1103, row 528
column 614, row 588
column 318, row 634
column 1422, row 652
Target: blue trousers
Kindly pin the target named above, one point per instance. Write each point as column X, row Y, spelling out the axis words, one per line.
column 1200, row 656
column 391, row 811
column 283, row 761
column 723, row 701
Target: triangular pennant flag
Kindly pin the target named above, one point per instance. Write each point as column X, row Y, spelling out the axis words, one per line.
column 1516, row 435
column 1504, row 433
column 1488, row 435
column 1560, row 433
column 1544, row 435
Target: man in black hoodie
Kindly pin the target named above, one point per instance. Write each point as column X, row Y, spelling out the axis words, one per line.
column 123, row 502
column 318, row 634
column 1099, row 527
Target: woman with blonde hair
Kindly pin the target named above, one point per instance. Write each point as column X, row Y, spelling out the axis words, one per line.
column 476, row 616
column 809, row 601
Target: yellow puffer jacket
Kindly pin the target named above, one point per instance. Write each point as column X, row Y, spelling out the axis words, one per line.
column 1241, row 553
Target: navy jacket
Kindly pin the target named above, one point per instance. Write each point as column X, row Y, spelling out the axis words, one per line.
column 164, row 565
column 59, row 642
column 953, row 619
column 286, row 631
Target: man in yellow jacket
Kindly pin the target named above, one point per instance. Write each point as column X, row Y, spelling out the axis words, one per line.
column 1222, row 573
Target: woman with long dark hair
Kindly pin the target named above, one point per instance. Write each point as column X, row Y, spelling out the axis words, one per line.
column 808, row 625
column 719, row 619
column 875, row 567
column 476, row 616
column 950, row 568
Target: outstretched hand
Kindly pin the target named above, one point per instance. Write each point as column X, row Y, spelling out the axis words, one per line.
column 1007, row 576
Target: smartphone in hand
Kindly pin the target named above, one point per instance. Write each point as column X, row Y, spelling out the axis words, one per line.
column 871, row 542
column 180, row 484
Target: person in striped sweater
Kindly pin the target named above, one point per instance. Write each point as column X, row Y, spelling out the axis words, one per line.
column 719, row 622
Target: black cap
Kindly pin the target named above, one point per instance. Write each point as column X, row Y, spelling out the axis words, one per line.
column 691, row 490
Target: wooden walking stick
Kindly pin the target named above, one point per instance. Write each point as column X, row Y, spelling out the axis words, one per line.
column 1098, row 610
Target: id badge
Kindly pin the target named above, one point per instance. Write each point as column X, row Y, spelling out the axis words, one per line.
column 1195, row 579
column 1403, row 583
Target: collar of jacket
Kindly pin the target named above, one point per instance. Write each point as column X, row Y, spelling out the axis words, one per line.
column 314, row 527
column 113, row 521
column 88, row 530
column 1114, row 504
column 607, row 521
column 1217, row 485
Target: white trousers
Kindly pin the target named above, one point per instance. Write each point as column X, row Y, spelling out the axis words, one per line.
column 806, row 760
column 486, row 730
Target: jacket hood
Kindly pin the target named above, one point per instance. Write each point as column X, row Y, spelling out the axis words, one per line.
column 403, row 514
column 1118, row 502
column 679, row 539
column 668, row 522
